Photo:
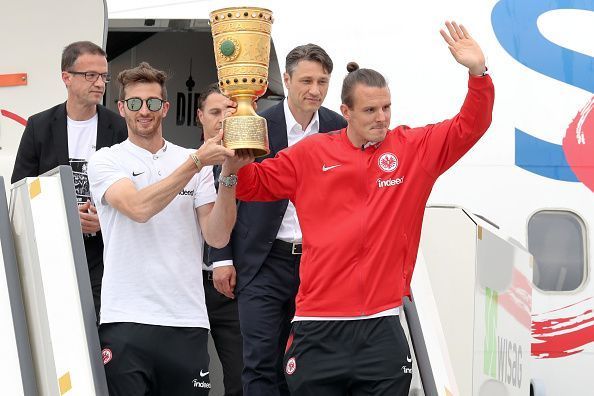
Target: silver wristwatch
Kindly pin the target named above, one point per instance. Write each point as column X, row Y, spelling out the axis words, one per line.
column 228, row 181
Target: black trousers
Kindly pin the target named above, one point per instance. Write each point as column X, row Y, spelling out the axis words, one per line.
column 359, row 357
column 148, row 360
column 224, row 328
column 94, row 252
column 266, row 307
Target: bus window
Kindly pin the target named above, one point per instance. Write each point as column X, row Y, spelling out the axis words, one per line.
column 557, row 240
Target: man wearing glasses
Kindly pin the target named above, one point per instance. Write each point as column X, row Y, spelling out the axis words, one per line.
column 68, row 134
column 156, row 201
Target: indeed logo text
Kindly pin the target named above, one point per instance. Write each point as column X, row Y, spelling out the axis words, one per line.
column 186, row 192
column 201, row 384
column 389, row 182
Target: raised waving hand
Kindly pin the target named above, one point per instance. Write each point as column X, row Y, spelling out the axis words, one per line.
column 465, row 50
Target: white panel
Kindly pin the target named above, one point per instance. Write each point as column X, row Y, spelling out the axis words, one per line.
column 448, row 245
column 52, row 291
column 61, row 287
column 33, row 293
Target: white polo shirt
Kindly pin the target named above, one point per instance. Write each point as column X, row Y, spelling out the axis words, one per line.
column 153, row 272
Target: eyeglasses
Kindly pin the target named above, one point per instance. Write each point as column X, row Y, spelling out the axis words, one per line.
column 135, row 104
column 93, row 76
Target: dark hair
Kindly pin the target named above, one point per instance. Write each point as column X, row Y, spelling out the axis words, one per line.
column 309, row 52
column 367, row 77
column 73, row 51
column 206, row 92
column 143, row 73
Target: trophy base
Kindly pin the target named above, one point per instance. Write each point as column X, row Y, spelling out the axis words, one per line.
column 246, row 132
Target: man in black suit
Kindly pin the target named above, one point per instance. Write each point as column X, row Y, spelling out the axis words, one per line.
column 222, row 310
column 68, row 134
column 265, row 249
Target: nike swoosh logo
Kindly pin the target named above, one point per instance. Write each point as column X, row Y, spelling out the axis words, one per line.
column 408, row 359
column 204, row 374
column 136, row 174
column 327, row 168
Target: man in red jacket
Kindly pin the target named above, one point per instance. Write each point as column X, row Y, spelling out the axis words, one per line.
column 360, row 195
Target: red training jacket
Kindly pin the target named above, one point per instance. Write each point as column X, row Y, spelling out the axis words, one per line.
column 361, row 211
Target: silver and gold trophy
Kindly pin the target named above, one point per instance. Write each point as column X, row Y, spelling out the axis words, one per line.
column 241, row 39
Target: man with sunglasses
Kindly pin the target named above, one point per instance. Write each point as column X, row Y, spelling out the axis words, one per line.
column 157, row 203
column 68, row 134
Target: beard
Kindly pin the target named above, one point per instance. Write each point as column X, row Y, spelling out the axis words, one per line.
column 143, row 131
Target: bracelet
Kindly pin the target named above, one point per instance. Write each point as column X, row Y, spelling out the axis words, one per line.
column 196, row 161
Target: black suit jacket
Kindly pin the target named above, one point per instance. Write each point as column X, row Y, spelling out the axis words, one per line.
column 258, row 222
column 44, row 144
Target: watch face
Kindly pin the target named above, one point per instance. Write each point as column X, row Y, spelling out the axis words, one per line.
column 228, row 181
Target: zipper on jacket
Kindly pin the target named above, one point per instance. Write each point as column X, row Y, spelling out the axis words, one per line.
column 362, row 219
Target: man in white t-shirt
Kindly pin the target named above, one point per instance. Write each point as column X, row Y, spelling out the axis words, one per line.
column 68, row 134
column 155, row 202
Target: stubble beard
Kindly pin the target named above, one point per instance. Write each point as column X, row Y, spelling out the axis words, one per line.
column 138, row 131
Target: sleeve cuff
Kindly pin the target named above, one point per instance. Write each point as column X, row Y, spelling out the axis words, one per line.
column 479, row 81
column 224, row 263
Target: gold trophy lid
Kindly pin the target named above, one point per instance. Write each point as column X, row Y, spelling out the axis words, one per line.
column 241, row 13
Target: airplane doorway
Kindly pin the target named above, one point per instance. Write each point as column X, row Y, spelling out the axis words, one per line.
column 182, row 48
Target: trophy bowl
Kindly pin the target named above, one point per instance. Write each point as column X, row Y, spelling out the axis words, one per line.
column 241, row 40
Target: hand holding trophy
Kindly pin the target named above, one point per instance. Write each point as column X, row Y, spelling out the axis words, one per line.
column 241, row 39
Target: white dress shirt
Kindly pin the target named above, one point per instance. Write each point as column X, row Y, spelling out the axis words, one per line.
column 289, row 230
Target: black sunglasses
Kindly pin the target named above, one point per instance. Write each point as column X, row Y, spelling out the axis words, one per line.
column 135, row 104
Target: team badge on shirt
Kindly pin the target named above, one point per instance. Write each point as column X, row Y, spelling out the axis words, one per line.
column 388, row 162
column 291, row 366
column 106, row 355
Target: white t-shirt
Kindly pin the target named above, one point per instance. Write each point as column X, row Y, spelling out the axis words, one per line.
column 82, row 141
column 153, row 270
